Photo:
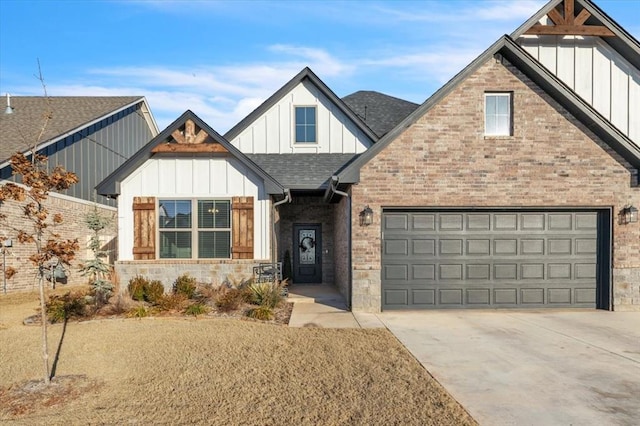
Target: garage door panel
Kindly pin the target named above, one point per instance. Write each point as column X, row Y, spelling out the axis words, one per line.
column 424, row 222
column 479, row 296
column 427, row 247
column 489, row 259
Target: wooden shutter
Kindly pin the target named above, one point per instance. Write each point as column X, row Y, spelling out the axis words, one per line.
column 144, row 228
column 242, row 228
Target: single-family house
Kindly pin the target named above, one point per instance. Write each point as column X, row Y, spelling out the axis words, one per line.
column 514, row 185
column 90, row 136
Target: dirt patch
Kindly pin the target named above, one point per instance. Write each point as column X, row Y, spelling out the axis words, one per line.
column 216, row 371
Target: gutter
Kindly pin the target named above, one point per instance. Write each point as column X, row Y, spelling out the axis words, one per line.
column 287, row 199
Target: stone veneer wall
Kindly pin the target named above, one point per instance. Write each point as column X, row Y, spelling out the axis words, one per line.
column 73, row 212
column 341, row 255
column 308, row 210
column 444, row 160
column 213, row 272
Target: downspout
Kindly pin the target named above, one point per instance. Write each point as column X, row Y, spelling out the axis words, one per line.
column 333, row 186
column 287, row 199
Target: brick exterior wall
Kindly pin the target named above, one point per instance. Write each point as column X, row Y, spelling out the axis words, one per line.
column 308, row 210
column 341, row 231
column 73, row 212
column 444, row 160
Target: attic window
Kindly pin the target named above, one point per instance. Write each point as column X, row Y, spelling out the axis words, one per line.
column 305, row 128
column 497, row 114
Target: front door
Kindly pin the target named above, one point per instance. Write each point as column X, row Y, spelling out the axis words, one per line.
column 307, row 253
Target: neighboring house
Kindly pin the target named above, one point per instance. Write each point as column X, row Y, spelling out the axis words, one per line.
column 504, row 189
column 90, row 136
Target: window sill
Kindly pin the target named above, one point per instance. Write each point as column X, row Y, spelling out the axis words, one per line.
column 498, row 136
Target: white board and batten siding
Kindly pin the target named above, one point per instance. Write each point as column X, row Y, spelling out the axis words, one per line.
column 273, row 132
column 189, row 178
column 596, row 72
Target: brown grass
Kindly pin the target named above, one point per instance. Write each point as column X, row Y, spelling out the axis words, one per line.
column 213, row 371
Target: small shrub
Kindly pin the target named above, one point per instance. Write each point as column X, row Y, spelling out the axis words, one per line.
column 229, row 300
column 262, row 313
column 139, row 311
column 205, row 292
column 185, row 285
column 266, row 294
column 171, row 302
column 63, row 307
column 137, row 286
column 196, row 309
column 153, row 292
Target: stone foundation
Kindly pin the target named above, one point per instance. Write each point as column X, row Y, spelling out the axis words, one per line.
column 626, row 289
column 166, row 271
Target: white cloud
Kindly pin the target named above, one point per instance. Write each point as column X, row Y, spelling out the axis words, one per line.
column 492, row 11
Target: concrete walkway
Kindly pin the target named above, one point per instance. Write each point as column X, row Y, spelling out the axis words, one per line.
column 321, row 305
column 531, row 368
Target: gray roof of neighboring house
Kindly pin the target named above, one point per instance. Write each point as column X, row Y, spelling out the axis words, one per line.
column 110, row 186
column 559, row 91
column 623, row 42
column 20, row 129
column 379, row 111
column 302, row 171
column 305, row 74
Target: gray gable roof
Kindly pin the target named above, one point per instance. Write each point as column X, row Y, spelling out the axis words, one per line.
column 379, row 111
column 110, row 186
column 305, row 74
column 302, row 171
column 623, row 42
column 20, row 129
column 510, row 50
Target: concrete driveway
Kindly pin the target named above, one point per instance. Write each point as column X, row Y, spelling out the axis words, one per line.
column 531, row 368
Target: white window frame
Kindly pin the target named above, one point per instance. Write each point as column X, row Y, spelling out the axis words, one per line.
column 495, row 115
column 295, row 125
column 194, row 229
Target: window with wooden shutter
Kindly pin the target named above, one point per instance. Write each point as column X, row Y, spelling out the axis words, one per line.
column 242, row 227
column 144, row 228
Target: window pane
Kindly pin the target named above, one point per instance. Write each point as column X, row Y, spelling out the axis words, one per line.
column 300, row 115
column 175, row 214
column 222, row 217
column 502, row 125
column 490, row 105
column 206, row 210
column 502, row 104
column 214, row 245
column 175, row 244
column 311, row 115
column 300, row 134
column 491, row 125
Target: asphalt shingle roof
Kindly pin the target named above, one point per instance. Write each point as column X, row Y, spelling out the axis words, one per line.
column 302, row 171
column 20, row 129
column 379, row 111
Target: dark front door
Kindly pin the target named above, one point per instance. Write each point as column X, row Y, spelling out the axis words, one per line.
column 307, row 253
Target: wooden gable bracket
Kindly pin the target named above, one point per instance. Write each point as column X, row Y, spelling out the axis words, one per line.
column 569, row 24
column 189, row 141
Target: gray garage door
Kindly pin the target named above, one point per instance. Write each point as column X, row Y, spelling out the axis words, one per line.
column 489, row 259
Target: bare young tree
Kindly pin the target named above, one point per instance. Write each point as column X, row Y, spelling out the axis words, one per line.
column 37, row 228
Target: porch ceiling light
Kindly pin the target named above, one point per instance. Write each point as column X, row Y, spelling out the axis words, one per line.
column 366, row 216
column 629, row 214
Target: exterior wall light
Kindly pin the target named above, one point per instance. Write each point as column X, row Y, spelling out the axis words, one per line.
column 629, row 214
column 366, row 216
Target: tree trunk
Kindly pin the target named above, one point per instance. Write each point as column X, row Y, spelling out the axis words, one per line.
column 43, row 313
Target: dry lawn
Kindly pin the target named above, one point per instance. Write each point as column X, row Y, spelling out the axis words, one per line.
column 212, row 371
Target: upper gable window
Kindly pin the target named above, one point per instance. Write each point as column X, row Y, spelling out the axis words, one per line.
column 497, row 114
column 305, row 124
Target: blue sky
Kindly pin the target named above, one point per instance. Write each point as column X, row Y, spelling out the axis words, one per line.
column 221, row 59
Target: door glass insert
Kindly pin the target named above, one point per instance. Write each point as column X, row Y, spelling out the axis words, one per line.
column 307, row 246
